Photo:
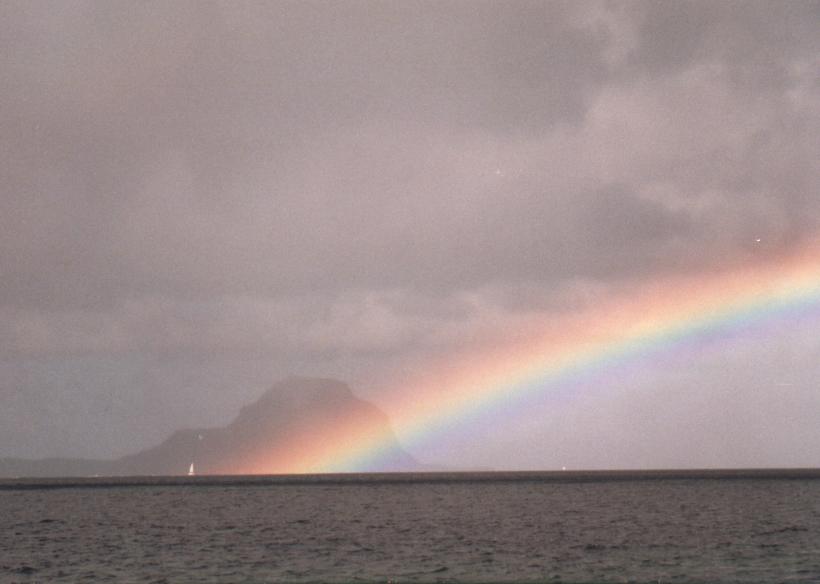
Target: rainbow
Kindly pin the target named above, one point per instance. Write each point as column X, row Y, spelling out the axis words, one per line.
column 665, row 317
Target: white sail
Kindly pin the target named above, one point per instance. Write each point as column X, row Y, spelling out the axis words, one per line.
column 191, row 470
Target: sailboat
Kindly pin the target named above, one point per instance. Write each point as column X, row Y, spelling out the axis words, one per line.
column 191, row 470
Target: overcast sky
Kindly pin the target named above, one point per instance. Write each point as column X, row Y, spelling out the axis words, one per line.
column 197, row 199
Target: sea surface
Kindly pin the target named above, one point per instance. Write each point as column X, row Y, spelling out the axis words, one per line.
column 723, row 526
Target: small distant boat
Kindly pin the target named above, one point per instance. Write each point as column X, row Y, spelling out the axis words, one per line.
column 191, row 470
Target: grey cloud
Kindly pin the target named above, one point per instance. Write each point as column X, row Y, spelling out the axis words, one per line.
column 337, row 188
column 99, row 96
column 131, row 129
column 758, row 41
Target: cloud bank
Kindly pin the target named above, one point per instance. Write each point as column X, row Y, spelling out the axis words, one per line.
column 199, row 196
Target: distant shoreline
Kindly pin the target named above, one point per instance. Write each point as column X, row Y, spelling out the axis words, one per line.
column 559, row 476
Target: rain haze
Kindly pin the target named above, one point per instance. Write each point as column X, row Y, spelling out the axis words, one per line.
column 199, row 199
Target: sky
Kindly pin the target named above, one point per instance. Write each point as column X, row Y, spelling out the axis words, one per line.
column 198, row 199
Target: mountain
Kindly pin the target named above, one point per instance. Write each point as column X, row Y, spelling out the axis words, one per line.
column 281, row 428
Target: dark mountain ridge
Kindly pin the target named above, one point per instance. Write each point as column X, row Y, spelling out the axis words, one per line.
column 285, row 422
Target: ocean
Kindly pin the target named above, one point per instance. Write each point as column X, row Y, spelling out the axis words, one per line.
column 718, row 526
